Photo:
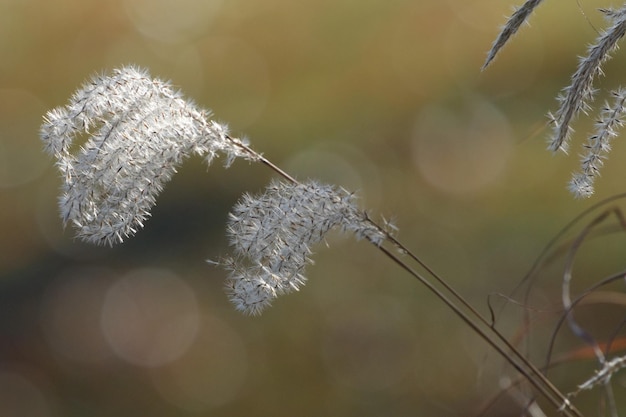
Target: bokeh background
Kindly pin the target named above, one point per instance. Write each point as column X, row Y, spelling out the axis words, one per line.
column 382, row 97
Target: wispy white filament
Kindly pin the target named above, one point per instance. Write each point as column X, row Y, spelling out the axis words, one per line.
column 138, row 130
column 272, row 235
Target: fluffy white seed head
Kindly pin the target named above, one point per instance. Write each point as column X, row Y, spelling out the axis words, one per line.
column 136, row 131
column 272, row 235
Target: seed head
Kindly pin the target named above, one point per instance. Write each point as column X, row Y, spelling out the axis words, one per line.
column 137, row 130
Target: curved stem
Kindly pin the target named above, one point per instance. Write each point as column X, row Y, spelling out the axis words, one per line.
column 558, row 402
column 257, row 156
column 546, row 387
column 535, row 371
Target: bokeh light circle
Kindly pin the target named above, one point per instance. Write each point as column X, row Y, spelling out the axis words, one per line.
column 71, row 315
column 172, row 21
column 369, row 348
column 236, row 79
column 150, row 317
column 20, row 396
column 210, row 374
column 462, row 149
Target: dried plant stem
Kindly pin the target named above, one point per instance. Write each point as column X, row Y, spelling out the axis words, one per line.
column 545, row 387
column 139, row 130
column 517, row 360
column 533, row 369
column 260, row 158
column 608, row 367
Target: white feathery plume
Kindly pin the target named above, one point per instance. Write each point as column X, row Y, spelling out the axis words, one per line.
column 138, row 131
column 580, row 92
column 599, row 145
column 272, row 235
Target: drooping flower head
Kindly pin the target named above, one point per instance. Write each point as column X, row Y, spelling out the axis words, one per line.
column 137, row 130
column 272, row 235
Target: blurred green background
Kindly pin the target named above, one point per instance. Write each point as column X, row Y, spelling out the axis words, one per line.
column 385, row 97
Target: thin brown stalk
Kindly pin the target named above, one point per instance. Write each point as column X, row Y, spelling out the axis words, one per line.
column 534, row 370
column 551, row 393
column 526, row 368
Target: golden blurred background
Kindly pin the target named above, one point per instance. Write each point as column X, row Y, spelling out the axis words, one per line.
column 384, row 97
